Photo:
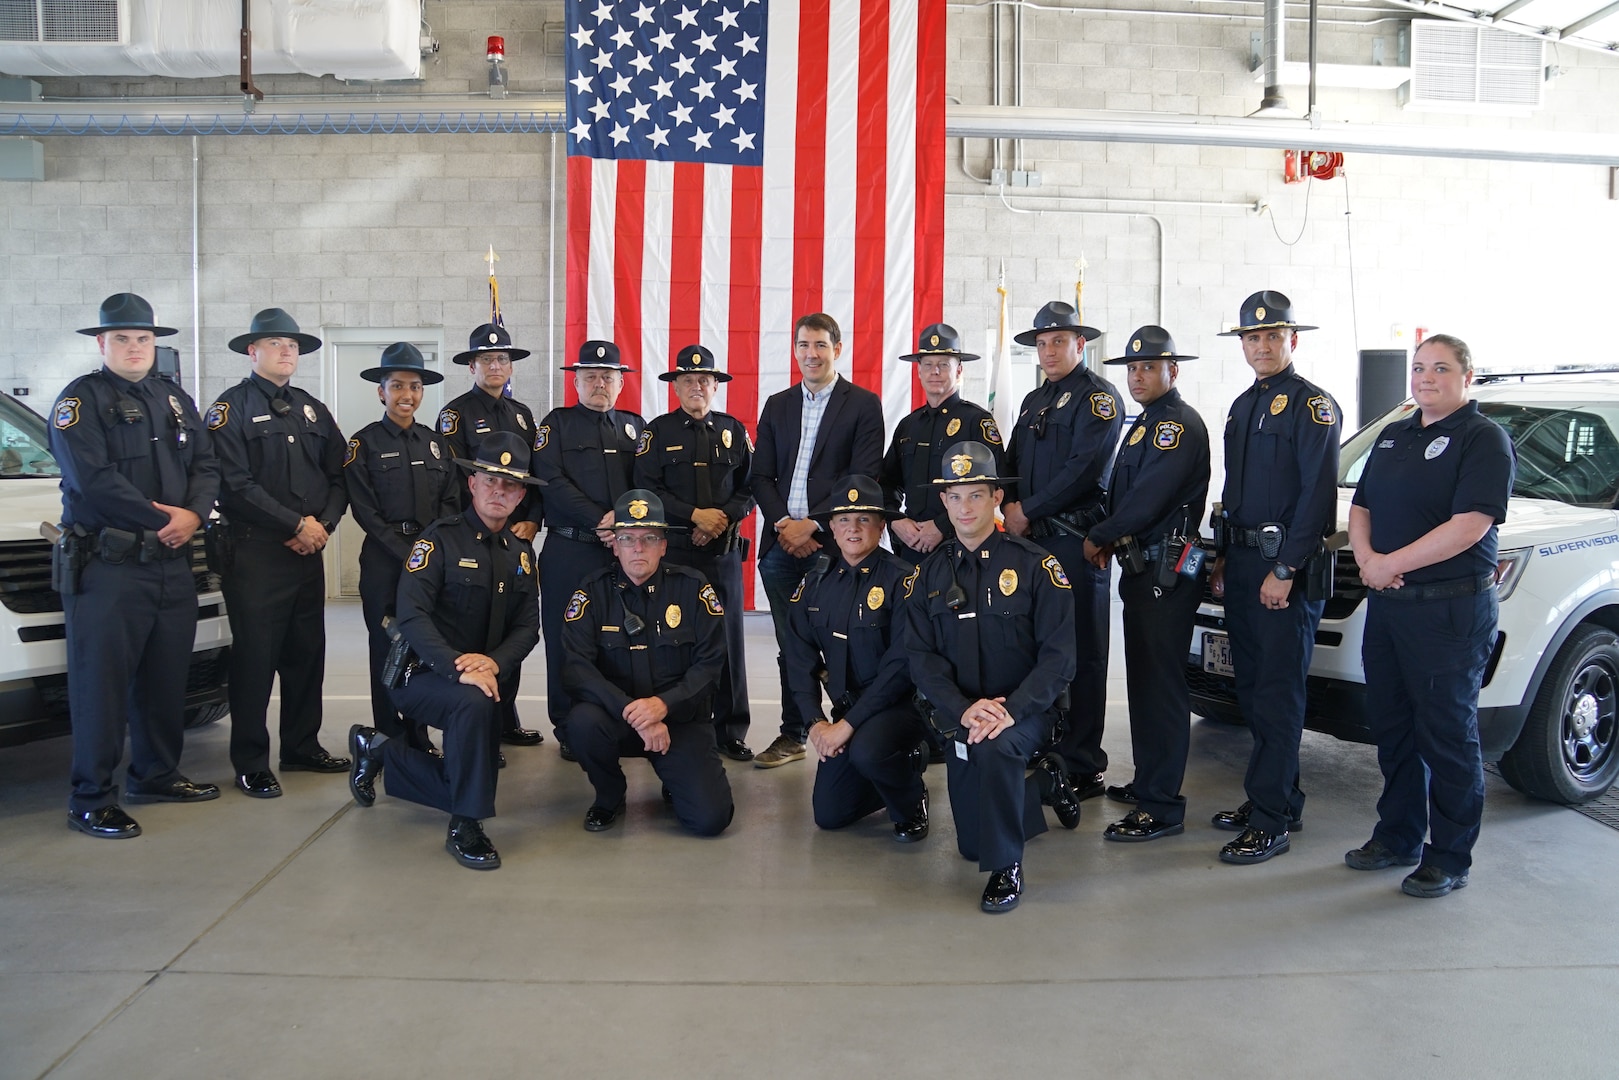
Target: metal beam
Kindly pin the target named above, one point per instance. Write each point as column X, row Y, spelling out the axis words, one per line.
column 1590, row 20
column 1516, row 5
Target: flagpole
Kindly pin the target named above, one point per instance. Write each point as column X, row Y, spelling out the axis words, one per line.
column 1000, row 376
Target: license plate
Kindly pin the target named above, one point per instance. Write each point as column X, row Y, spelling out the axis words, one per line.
column 1217, row 654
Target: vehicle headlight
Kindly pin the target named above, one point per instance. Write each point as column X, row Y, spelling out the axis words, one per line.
column 1508, row 569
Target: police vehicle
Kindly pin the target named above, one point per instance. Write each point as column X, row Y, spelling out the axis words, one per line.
column 1550, row 700
column 33, row 648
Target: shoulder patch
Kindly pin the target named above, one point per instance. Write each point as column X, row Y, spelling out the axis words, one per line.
column 67, row 413
column 1054, row 569
column 646, row 442
column 218, row 414
column 576, row 606
column 449, row 422
column 525, row 566
column 711, row 600
column 354, row 452
column 992, row 434
column 1167, row 435
column 419, row 554
column 1321, row 410
column 542, row 436
column 1103, row 405
column 748, row 439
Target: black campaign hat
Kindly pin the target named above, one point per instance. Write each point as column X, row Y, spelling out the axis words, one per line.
column 274, row 322
column 695, row 360
column 595, row 355
column 1150, row 343
column 969, row 462
column 639, row 508
column 402, row 356
column 126, row 311
column 855, row 493
column 486, row 339
column 1056, row 316
column 940, row 339
column 505, row 455
column 1265, row 310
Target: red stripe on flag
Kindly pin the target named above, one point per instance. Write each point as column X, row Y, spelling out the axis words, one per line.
column 928, row 303
column 576, row 319
column 809, row 179
column 685, row 264
column 742, row 346
column 871, row 201
column 629, row 233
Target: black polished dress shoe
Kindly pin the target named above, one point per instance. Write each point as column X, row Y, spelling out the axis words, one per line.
column 736, row 749
column 1088, row 787
column 1057, row 790
column 1138, row 826
column 367, row 764
column 602, row 818
column 319, row 761
column 1430, row 882
column 565, row 750
column 1125, row 794
column 915, row 827
column 109, row 822
column 181, row 790
column 1254, row 846
column 1004, row 890
column 1376, row 855
column 1237, row 820
column 259, row 785
column 470, row 846
column 521, row 737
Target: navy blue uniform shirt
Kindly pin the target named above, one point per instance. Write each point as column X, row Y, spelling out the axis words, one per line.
column 477, row 414
column 1161, row 476
column 853, row 618
column 448, row 592
column 916, row 455
column 396, row 475
column 669, row 459
column 1062, row 444
column 1417, row 478
column 277, row 465
column 586, row 459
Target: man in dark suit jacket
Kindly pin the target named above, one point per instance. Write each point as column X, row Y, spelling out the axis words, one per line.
column 810, row 435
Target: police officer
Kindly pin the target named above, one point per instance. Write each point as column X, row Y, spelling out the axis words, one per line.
column 399, row 481
column 585, row 453
column 1067, row 430
column 468, row 606
column 913, row 457
column 698, row 460
column 644, row 646
column 281, row 473
column 473, row 417
column 847, row 619
column 1155, row 506
column 991, row 645
column 1280, row 500
column 1423, row 528
column 138, row 478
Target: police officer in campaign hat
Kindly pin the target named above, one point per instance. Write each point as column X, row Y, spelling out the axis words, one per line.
column 468, row 608
column 1062, row 446
column 991, row 644
column 914, row 455
column 1154, row 509
column 400, row 480
column 847, row 618
column 472, row 418
column 698, row 461
column 281, row 488
column 138, row 479
column 1423, row 527
column 644, row 646
column 585, row 452
column 1280, row 500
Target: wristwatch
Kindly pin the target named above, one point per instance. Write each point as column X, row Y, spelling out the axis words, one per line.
column 1282, row 571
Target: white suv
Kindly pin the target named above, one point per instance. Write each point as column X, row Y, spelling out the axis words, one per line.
column 1550, row 700
column 33, row 647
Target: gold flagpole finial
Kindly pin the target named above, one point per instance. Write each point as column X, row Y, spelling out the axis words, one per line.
column 491, row 259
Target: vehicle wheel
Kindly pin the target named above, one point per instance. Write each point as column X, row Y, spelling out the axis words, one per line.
column 202, row 715
column 1568, row 751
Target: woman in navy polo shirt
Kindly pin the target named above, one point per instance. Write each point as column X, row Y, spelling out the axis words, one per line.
column 1423, row 529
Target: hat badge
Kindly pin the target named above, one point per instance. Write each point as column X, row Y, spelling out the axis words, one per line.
column 961, row 464
column 934, row 340
column 506, row 458
column 1259, row 313
column 493, row 337
column 854, row 496
column 638, row 509
column 1135, row 346
column 601, row 350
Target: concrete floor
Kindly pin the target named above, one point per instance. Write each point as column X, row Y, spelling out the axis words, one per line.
column 306, row 937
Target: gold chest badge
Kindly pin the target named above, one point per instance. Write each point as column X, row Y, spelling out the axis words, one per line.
column 671, row 616
column 725, row 438
column 874, row 599
column 953, row 426
column 1135, row 436
column 1277, row 404
column 1008, row 582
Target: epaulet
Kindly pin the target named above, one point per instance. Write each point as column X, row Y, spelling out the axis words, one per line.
column 682, row 571
column 452, row 519
column 598, row 574
column 1025, row 543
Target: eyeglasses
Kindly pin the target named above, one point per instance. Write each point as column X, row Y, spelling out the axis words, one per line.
column 635, row 541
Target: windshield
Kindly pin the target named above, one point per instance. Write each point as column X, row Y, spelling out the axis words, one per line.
column 1566, row 450
column 23, row 442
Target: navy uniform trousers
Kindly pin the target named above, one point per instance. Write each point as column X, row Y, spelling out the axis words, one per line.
column 875, row 770
column 379, row 592
column 1081, row 744
column 1271, row 652
column 1424, row 663
column 732, row 714
column 690, row 768
column 564, row 564
column 1157, row 635
column 277, row 604
column 991, row 787
column 130, row 630
column 462, row 782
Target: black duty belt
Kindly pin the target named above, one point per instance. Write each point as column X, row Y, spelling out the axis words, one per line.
column 1237, row 536
column 147, row 548
column 1076, row 521
column 1440, row 590
column 583, row 536
column 406, row 528
column 723, row 544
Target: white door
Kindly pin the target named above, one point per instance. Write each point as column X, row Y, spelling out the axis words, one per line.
column 354, row 404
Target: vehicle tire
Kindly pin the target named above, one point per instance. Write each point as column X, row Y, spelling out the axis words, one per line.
column 202, row 715
column 1568, row 751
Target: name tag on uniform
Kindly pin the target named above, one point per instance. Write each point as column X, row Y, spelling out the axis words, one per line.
column 261, row 419
column 391, row 453
column 961, row 750
column 966, row 614
column 468, row 564
column 840, row 637
column 669, row 449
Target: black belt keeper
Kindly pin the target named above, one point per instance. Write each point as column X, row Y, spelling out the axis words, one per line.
column 583, row 536
column 406, row 528
column 1439, row 590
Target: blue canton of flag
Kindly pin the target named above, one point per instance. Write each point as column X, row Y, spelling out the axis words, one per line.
column 667, row 80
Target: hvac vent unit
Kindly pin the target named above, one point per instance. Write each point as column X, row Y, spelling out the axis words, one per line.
column 1459, row 67
column 62, row 22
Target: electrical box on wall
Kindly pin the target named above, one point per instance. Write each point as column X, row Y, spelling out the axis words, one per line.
column 1301, row 165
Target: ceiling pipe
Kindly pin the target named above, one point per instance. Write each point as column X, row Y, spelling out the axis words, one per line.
column 1275, row 51
column 338, row 115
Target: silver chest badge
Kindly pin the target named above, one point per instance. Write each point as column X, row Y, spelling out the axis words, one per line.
column 1436, row 447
